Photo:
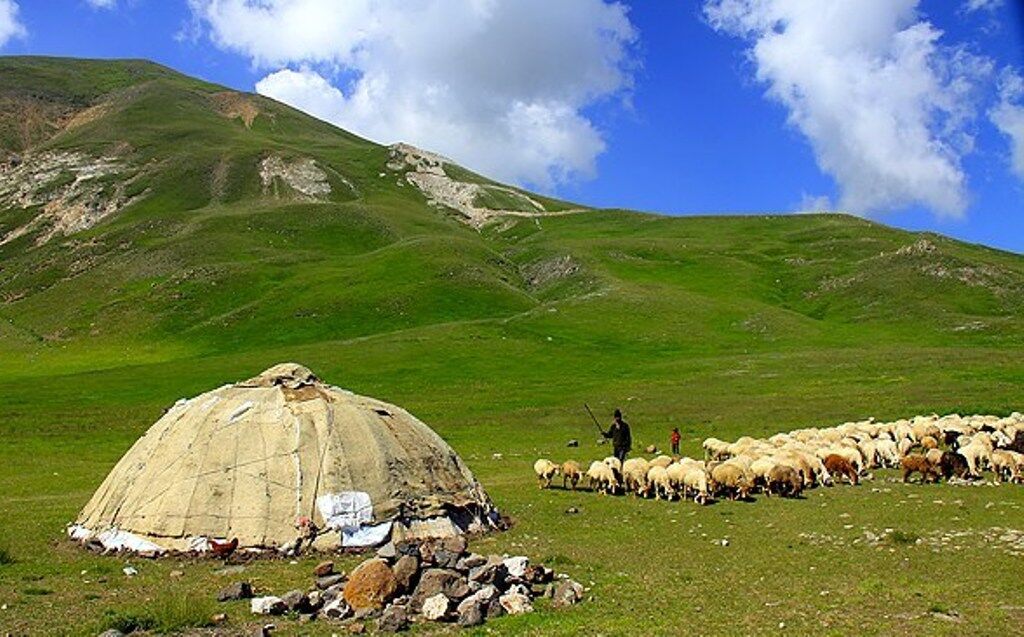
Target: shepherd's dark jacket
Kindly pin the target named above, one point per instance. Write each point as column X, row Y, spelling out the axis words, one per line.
column 619, row 433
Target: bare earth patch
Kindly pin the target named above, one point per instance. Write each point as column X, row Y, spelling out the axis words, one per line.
column 86, row 116
column 68, row 189
column 301, row 175
column 425, row 171
column 234, row 105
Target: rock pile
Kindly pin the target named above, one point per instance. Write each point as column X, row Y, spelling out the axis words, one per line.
column 432, row 581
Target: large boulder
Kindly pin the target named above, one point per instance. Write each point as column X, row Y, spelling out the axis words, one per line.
column 370, row 585
column 406, row 570
column 439, row 580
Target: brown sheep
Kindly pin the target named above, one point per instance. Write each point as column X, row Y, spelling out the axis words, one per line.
column 928, row 442
column 840, row 466
column 729, row 479
column 934, row 456
column 786, row 481
column 915, row 462
column 571, row 473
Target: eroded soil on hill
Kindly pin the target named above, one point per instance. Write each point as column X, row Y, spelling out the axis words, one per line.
column 426, row 171
column 73, row 192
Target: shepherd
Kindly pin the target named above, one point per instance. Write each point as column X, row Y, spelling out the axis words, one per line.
column 622, row 440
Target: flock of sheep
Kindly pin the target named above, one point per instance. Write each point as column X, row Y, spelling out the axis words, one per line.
column 787, row 463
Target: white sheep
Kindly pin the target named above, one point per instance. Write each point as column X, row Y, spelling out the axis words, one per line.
column 602, row 478
column 760, row 468
column 695, row 482
column 978, row 456
column 888, row 454
column 634, row 475
column 615, row 464
column 661, row 461
column 545, row 470
column 658, row 482
column 715, row 449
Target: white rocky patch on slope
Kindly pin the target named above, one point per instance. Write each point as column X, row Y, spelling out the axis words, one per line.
column 301, row 175
column 425, row 171
column 67, row 186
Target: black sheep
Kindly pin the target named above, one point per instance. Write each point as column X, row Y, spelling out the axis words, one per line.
column 954, row 464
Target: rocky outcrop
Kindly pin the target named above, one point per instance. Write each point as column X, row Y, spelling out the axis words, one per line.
column 302, row 176
column 426, row 171
column 74, row 191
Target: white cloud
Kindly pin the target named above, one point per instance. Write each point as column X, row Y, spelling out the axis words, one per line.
column 10, row 26
column 102, row 4
column 499, row 85
column 970, row 6
column 886, row 108
column 1008, row 116
column 815, row 203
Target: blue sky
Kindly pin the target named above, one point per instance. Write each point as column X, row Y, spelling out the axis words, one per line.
column 906, row 111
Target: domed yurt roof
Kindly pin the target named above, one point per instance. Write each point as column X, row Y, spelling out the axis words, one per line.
column 253, row 459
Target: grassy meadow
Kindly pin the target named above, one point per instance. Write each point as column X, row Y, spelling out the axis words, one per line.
column 722, row 326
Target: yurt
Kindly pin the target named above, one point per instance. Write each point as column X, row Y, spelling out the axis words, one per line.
column 278, row 458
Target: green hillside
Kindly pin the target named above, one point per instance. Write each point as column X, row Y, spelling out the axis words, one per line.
column 160, row 236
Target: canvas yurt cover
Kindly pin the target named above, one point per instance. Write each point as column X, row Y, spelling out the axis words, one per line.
column 249, row 460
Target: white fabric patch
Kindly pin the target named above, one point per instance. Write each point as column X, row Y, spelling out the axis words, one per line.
column 348, row 509
column 366, row 535
column 198, row 544
column 118, row 540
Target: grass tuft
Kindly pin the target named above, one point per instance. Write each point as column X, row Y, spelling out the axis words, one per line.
column 6, row 557
column 127, row 621
column 164, row 615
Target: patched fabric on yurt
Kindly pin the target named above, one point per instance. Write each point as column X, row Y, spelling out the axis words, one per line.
column 268, row 459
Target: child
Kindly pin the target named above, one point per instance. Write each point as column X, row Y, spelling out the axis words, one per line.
column 675, row 437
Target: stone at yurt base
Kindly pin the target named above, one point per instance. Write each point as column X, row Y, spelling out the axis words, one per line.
column 266, row 459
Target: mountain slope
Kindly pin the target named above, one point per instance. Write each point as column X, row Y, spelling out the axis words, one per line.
column 143, row 209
